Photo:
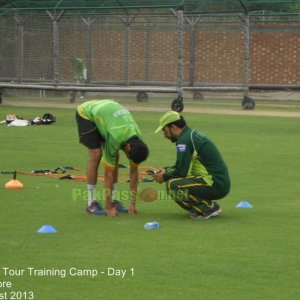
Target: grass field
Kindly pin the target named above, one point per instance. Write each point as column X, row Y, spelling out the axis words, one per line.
column 243, row 254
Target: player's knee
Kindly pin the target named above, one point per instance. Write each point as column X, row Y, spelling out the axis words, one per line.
column 176, row 192
column 170, row 185
column 173, row 185
column 95, row 155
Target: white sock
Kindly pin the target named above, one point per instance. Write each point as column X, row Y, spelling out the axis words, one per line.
column 91, row 188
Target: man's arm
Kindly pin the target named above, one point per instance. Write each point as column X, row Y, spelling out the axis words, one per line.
column 183, row 162
column 110, row 209
column 133, row 182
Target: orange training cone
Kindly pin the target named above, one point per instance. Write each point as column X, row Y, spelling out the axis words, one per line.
column 14, row 184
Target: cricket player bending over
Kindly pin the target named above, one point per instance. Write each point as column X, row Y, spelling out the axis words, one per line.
column 105, row 127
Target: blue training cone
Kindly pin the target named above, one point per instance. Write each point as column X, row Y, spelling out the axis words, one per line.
column 47, row 229
column 244, row 204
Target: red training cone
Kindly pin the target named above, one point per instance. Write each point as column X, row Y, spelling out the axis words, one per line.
column 14, row 184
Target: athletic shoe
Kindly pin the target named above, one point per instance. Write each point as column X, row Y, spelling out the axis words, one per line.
column 213, row 212
column 119, row 206
column 197, row 216
column 94, row 209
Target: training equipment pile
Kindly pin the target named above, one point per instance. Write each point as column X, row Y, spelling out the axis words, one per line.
column 71, row 173
column 13, row 120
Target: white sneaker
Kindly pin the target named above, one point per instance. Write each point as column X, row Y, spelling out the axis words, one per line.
column 214, row 212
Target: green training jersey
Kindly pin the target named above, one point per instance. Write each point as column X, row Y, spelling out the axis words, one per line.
column 115, row 124
column 197, row 155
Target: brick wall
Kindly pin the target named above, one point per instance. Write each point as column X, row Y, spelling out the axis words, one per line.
column 152, row 55
column 274, row 57
column 219, row 57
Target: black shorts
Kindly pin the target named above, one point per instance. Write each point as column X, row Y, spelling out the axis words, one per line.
column 89, row 135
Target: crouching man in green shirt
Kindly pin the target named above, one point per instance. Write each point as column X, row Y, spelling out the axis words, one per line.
column 105, row 127
column 200, row 174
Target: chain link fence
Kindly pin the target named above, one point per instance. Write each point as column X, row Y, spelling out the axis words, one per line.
column 166, row 51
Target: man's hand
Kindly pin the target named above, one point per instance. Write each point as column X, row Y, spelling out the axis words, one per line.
column 131, row 208
column 111, row 211
column 158, row 176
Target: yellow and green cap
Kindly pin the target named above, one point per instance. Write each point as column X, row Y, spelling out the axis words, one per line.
column 167, row 118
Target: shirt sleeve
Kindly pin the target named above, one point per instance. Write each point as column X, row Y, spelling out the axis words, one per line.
column 183, row 161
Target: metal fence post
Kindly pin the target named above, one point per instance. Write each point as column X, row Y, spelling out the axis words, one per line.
column 127, row 22
column 248, row 102
column 180, row 22
column 20, row 49
column 148, row 50
column 55, row 17
column 246, row 26
column 127, row 50
column 89, row 22
column 192, row 22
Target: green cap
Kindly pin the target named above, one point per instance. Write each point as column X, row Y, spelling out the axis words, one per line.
column 167, row 118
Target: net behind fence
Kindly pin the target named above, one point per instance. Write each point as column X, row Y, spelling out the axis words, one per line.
column 115, row 50
column 160, row 48
column 144, row 50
